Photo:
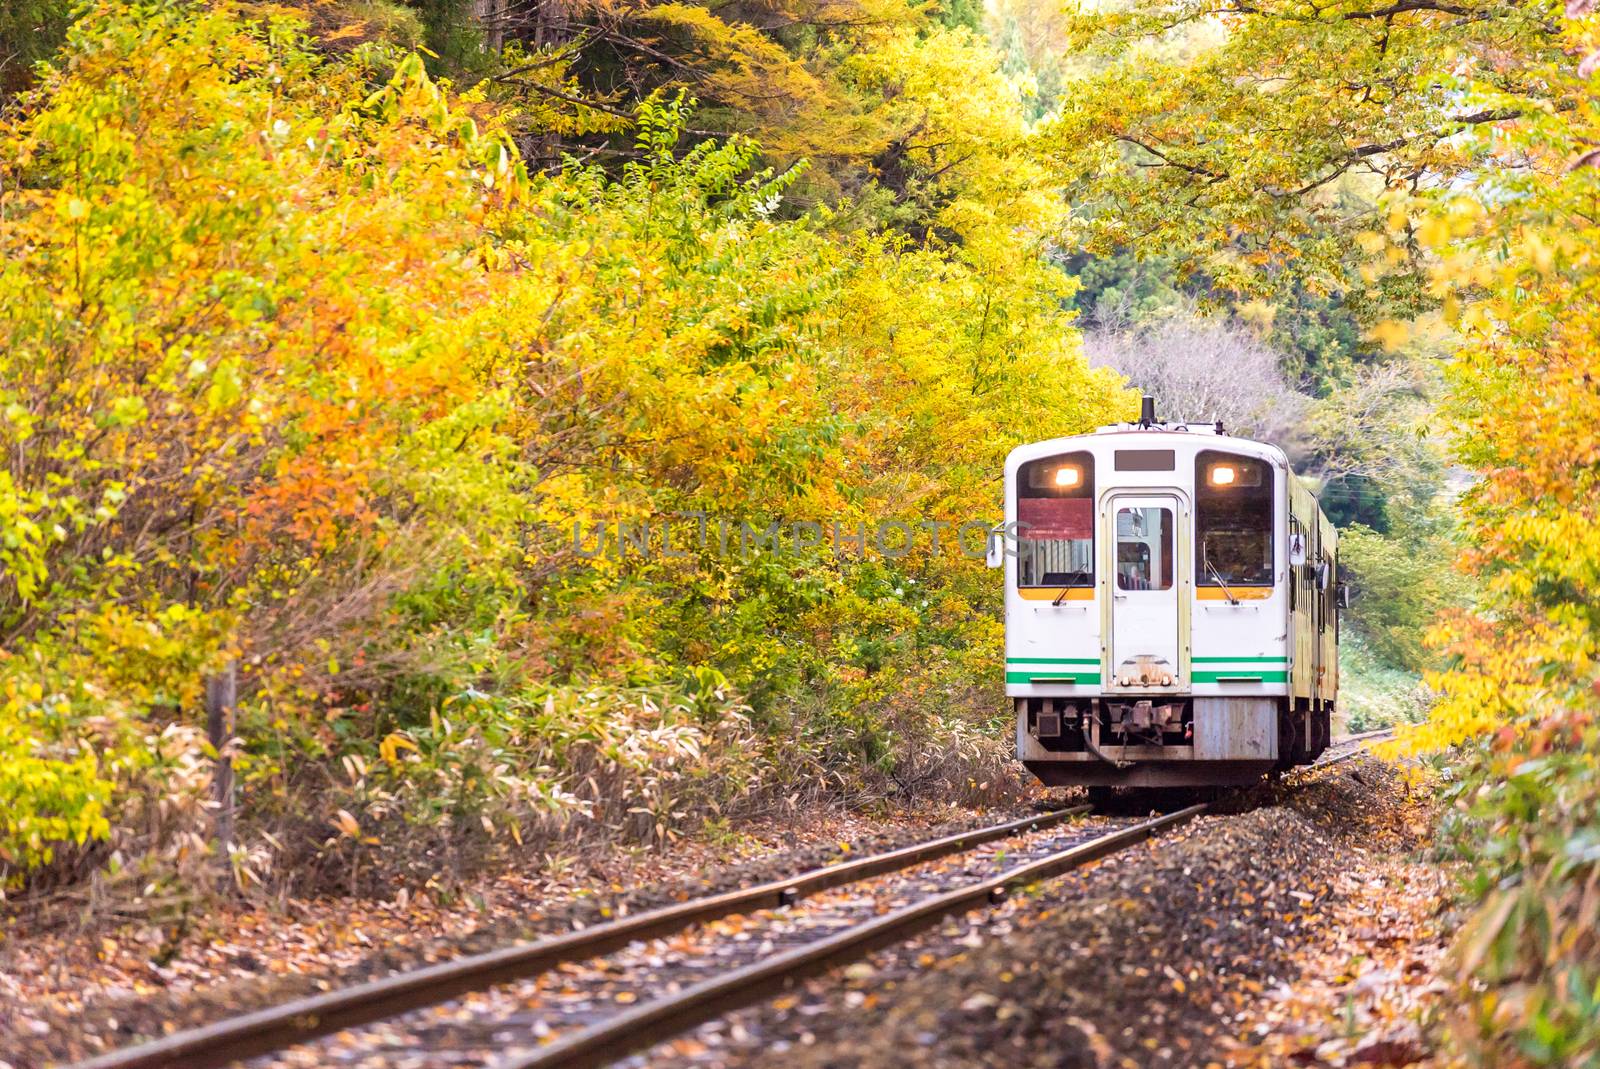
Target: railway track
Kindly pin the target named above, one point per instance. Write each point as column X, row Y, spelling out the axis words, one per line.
column 1349, row 746
column 591, row 996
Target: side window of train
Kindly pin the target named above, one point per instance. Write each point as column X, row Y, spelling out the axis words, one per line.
column 1319, row 576
column 1296, row 538
column 1233, row 520
column 1055, row 522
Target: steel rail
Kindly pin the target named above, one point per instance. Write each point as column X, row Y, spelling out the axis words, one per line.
column 652, row 1022
column 1363, row 736
column 1354, row 751
column 275, row 1027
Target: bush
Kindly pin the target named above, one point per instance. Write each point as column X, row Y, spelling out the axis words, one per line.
column 1373, row 693
column 1400, row 583
column 303, row 371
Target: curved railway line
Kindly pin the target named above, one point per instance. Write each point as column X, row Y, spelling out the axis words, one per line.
column 590, row 996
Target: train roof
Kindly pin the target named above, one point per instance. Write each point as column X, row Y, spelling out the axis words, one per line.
column 1166, row 435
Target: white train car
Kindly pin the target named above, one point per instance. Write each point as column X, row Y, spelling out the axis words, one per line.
column 1171, row 608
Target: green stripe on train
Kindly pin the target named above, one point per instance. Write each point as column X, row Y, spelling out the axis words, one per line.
column 1093, row 678
column 1242, row 676
column 1196, row 660
column 1057, row 677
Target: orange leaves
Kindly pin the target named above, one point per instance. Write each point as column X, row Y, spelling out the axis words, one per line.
column 1520, row 270
column 312, row 500
column 235, row 303
column 263, row 327
column 346, row 824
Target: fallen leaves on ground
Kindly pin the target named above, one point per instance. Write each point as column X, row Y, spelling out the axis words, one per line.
column 86, row 991
column 1167, row 954
column 1368, row 985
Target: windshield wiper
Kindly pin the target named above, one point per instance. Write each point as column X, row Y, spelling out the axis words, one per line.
column 1212, row 568
column 1067, row 585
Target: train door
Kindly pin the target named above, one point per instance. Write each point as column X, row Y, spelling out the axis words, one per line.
column 1314, row 617
column 1144, row 588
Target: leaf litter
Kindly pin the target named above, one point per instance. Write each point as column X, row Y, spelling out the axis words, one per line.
column 69, row 994
column 1306, row 924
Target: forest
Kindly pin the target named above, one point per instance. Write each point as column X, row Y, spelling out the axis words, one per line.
column 332, row 332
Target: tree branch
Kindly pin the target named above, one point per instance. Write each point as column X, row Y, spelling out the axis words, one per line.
column 1215, row 176
column 1362, row 152
column 1402, row 6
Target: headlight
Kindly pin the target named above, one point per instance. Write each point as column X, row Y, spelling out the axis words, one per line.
column 1223, row 475
column 1069, row 476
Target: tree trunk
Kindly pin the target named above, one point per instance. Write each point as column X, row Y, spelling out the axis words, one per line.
column 487, row 13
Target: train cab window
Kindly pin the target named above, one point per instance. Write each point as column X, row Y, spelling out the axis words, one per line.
column 1055, row 522
column 1144, row 549
column 1233, row 520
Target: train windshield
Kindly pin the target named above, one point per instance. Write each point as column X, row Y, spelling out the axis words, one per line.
column 1233, row 520
column 1055, row 522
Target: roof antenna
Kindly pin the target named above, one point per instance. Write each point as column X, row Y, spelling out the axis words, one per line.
column 1147, row 410
column 1219, row 428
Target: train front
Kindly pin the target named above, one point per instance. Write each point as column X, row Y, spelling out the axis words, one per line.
column 1146, row 607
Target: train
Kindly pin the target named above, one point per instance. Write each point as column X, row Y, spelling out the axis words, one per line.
column 1172, row 597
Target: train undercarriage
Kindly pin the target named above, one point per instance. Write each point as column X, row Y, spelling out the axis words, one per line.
column 1168, row 741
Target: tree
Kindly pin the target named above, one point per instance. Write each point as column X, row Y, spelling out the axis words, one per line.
column 1205, row 370
column 304, row 367
column 30, row 31
column 1255, row 158
column 1443, row 154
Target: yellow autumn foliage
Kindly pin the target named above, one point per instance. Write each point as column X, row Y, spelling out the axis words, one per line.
column 304, row 369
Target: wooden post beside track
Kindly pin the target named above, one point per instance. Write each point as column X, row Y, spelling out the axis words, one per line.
column 222, row 692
